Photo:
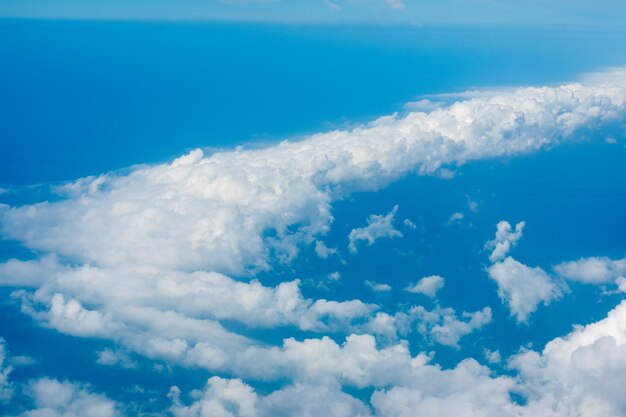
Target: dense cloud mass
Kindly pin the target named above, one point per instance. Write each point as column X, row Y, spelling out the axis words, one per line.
column 157, row 260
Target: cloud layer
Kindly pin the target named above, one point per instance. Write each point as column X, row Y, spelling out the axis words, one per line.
column 158, row 259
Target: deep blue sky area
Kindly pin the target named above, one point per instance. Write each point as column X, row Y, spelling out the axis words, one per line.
column 83, row 97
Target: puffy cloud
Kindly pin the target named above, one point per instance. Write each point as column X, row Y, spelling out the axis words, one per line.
column 505, row 238
column 429, row 286
column 378, row 227
column 442, row 325
column 595, row 270
column 324, row 251
column 6, row 388
column 233, row 398
column 111, row 357
column 466, row 390
column 378, row 287
column 221, row 398
column 523, row 288
column 492, row 356
column 581, row 374
column 64, row 399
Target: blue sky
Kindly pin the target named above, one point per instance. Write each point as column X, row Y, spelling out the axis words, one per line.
column 228, row 215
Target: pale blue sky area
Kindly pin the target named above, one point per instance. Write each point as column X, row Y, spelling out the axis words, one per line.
column 417, row 12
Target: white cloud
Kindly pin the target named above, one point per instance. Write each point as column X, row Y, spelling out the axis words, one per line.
column 111, row 357
column 442, row 325
column 64, row 399
column 505, row 238
column 324, row 251
column 492, row 356
column 408, row 223
column 378, row 227
column 378, row 287
column 456, row 217
column 595, row 270
column 523, row 288
column 233, row 398
column 429, row 286
column 6, row 387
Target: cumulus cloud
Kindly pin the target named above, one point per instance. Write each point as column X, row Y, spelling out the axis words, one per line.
column 378, row 227
column 594, row 270
column 324, row 251
column 521, row 287
column 429, row 286
column 234, row 398
column 64, row 399
column 492, row 356
column 505, row 238
column 580, row 374
column 443, row 326
column 111, row 357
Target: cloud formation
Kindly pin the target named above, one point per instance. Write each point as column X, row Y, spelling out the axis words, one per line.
column 378, row 227
column 521, row 287
column 158, row 258
column 429, row 286
column 594, row 270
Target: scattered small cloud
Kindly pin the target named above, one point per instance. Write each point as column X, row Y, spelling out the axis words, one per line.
column 111, row 357
column 492, row 356
column 428, row 286
column 456, row 217
column 594, row 270
column 334, row 276
column 378, row 227
column 505, row 238
column 378, row 287
column 520, row 287
column 408, row 223
column 472, row 205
